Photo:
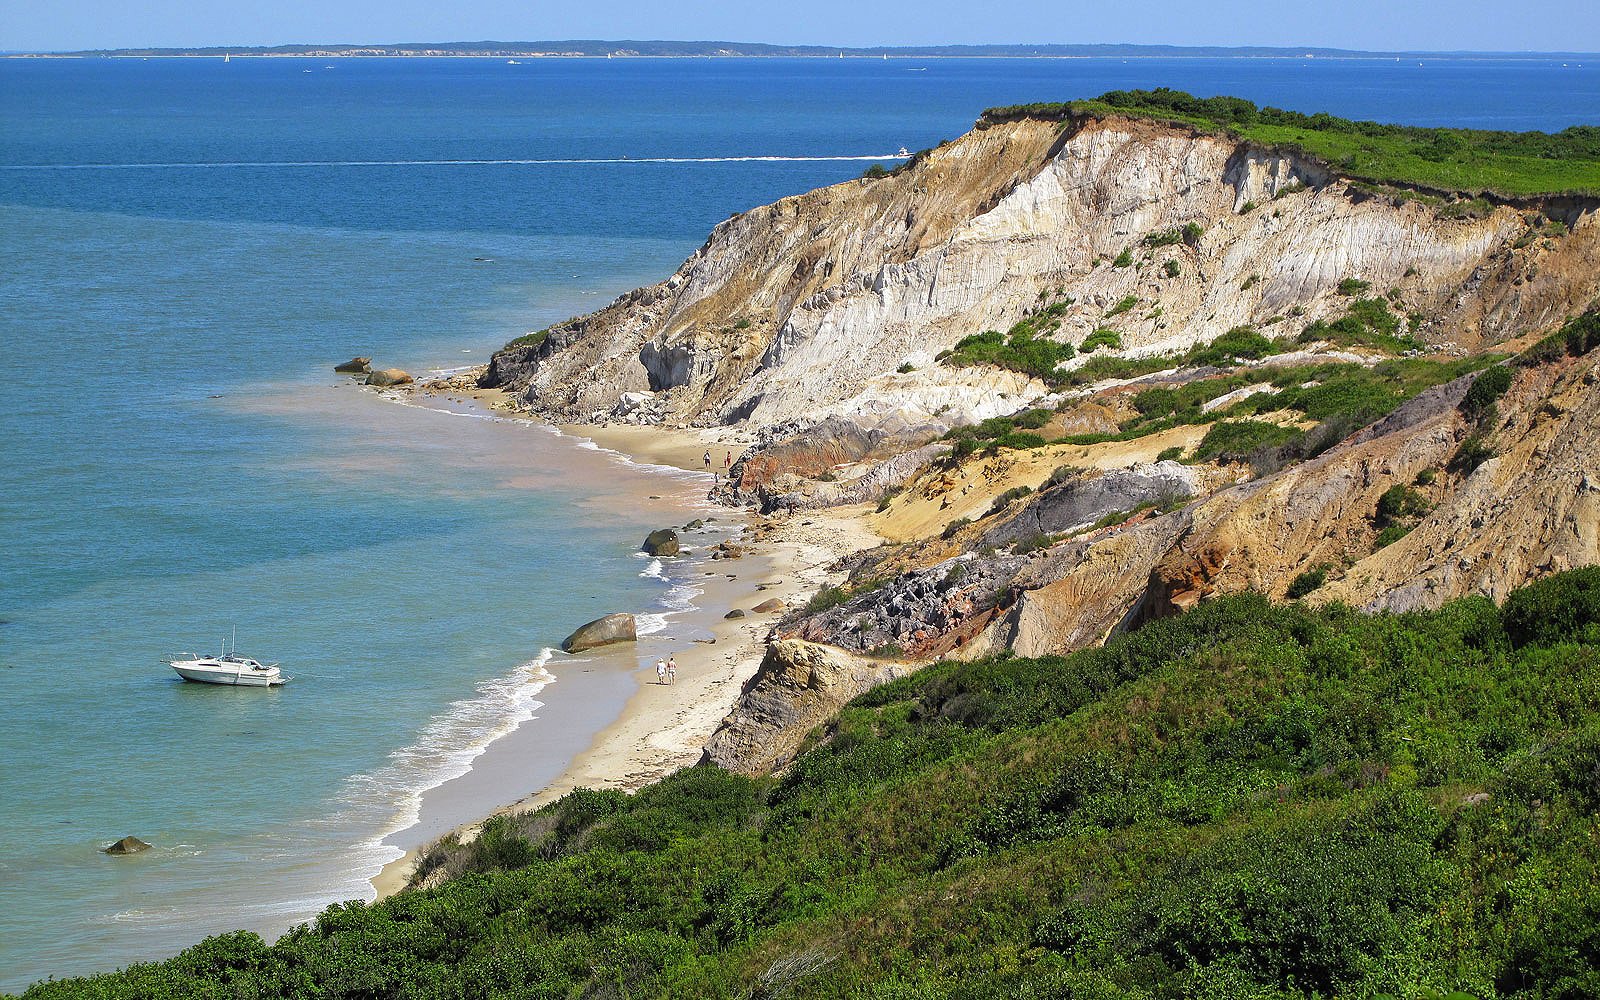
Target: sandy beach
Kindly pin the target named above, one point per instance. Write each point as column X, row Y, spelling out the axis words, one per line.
column 664, row 727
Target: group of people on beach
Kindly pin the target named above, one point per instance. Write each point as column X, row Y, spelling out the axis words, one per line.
column 667, row 670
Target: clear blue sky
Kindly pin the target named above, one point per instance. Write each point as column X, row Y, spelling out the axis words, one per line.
column 1568, row 25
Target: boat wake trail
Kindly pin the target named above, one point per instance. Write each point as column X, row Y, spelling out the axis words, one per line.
column 286, row 164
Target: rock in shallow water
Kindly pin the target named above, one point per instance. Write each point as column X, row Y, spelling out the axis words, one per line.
column 355, row 366
column 127, row 845
column 601, row 632
column 388, row 377
column 662, row 542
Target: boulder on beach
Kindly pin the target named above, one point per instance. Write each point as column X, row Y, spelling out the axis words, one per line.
column 661, row 542
column 389, row 376
column 694, row 525
column 735, row 613
column 127, row 845
column 768, row 606
column 355, row 366
column 601, row 632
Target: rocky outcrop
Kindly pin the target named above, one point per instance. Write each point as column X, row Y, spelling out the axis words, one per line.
column 127, row 845
column 798, row 686
column 838, row 302
column 604, row 631
column 387, row 377
column 355, row 366
column 1078, row 502
column 662, row 542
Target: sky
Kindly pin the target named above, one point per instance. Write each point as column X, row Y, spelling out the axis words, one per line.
column 1437, row 25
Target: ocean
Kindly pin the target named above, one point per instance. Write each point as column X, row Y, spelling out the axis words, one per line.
column 188, row 246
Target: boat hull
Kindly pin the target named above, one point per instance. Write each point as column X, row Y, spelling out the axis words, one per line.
column 228, row 675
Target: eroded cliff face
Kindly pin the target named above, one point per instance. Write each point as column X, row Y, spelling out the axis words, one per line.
column 818, row 323
column 808, row 307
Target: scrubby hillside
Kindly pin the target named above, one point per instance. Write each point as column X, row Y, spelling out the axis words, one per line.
column 1247, row 800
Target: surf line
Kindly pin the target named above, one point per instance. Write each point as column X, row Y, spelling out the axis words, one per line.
column 251, row 164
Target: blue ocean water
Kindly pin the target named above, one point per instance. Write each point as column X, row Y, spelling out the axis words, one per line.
column 187, row 246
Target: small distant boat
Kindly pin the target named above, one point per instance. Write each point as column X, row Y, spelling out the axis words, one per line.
column 512, row 62
column 902, row 151
column 226, row 56
column 228, row 668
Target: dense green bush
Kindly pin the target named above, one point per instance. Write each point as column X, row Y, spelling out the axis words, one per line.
column 1020, row 351
column 1478, row 405
column 1307, row 582
column 1556, row 608
column 1234, row 440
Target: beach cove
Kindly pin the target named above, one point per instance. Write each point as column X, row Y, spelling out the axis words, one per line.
column 661, row 728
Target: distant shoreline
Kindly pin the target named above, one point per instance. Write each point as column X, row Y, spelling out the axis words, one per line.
column 626, row 49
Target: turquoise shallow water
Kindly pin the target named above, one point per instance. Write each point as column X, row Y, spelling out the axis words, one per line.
column 176, row 459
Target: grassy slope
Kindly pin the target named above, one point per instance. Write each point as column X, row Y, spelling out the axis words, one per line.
column 1246, row 801
column 1464, row 160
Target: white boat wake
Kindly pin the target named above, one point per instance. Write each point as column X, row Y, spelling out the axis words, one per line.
column 281, row 164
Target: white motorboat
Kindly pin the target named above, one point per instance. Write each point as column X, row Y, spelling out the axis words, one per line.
column 229, row 668
column 902, row 152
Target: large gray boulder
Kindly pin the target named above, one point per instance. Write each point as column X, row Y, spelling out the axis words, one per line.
column 388, row 377
column 662, row 542
column 601, row 632
column 127, row 845
column 355, row 366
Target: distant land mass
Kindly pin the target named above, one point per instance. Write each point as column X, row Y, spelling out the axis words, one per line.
column 594, row 48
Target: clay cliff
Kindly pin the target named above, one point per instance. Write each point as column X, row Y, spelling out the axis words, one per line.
column 1260, row 375
column 809, row 307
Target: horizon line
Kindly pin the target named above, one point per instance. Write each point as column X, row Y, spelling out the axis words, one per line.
column 627, row 48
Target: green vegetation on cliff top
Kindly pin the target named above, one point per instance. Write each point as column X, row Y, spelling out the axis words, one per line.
column 1447, row 159
column 1247, row 801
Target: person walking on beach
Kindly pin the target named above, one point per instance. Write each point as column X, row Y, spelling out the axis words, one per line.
column 672, row 670
column 727, row 462
column 661, row 671
column 708, row 459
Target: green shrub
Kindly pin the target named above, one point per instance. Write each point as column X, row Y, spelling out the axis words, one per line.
column 1427, row 477
column 1103, row 337
column 1392, row 533
column 1367, row 323
column 1171, row 269
column 875, row 171
column 827, row 598
column 1352, row 287
column 1565, row 607
column 1473, row 452
column 906, row 368
column 950, row 529
column 1398, row 502
column 1021, row 351
column 1123, row 259
column 1234, row 440
column 1247, row 208
column 1004, row 500
column 1308, row 581
column 1242, row 343
column 528, row 339
column 1478, row 405
column 1171, row 454
column 1126, row 303
column 1034, row 419
column 1062, row 473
